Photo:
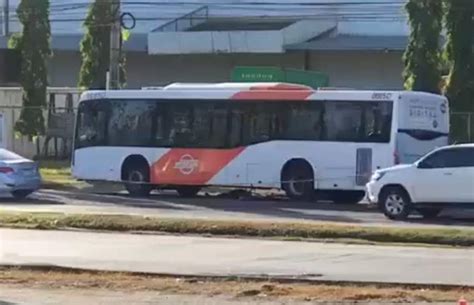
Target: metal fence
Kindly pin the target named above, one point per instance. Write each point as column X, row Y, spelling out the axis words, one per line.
column 462, row 127
column 56, row 143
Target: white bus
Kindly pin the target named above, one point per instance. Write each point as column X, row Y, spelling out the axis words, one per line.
column 253, row 135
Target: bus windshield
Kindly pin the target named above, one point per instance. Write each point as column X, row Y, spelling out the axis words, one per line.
column 224, row 124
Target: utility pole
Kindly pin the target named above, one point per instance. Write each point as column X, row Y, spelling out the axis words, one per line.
column 115, row 46
column 6, row 18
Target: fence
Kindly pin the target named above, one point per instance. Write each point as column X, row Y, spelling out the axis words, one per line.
column 59, row 122
column 462, row 127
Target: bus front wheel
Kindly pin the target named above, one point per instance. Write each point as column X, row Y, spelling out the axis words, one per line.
column 137, row 180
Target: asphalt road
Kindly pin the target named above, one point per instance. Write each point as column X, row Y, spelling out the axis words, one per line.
column 224, row 208
column 181, row 255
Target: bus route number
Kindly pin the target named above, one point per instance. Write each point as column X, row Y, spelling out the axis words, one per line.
column 381, row 96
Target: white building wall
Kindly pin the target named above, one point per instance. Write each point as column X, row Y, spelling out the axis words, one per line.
column 360, row 70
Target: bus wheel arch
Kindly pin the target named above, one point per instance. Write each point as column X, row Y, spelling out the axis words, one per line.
column 135, row 173
column 297, row 179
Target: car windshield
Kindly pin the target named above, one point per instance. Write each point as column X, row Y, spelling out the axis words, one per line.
column 6, row 155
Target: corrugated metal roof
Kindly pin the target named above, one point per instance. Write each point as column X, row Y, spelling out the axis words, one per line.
column 353, row 43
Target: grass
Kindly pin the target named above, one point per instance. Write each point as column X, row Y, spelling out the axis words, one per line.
column 57, row 278
column 57, row 175
column 287, row 231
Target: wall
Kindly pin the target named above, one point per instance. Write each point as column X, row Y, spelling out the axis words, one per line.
column 360, row 70
column 159, row 70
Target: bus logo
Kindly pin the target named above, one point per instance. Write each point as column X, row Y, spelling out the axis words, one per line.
column 443, row 108
column 186, row 165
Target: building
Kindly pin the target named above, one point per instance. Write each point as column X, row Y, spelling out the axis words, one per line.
column 357, row 45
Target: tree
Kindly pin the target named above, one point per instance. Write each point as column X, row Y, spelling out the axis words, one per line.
column 95, row 46
column 459, row 22
column 422, row 57
column 33, row 44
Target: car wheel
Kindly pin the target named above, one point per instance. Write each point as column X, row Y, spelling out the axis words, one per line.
column 21, row 194
column 137, row 183
column 188, row 191
column 395, row 203
column 298, row 182
column 429, row 213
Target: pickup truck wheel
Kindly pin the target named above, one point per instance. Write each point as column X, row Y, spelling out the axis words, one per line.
column 395, row 203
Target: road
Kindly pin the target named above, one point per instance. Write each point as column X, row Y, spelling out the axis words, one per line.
column 217, row 207
column 184, row 255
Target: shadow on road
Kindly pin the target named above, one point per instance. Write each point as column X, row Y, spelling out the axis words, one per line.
column 238, row 206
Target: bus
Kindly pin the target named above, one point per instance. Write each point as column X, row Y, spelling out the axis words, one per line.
column 303, row 141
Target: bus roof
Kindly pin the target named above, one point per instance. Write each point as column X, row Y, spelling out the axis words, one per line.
column 247, row 91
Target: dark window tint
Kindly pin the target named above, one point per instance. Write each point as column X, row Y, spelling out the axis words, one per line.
column 449, row 158
column 438, row 159
column 130, row 123
column 92, row 124
column 225, row 124
column 466, row 156
column 461, row 157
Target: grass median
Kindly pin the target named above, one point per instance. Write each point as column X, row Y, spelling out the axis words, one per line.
column 281, row 230
column 57, row 175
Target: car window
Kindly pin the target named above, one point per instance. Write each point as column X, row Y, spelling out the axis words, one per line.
column 8, row 155
column 461, row 157
column 436, row 160
column 449, row 158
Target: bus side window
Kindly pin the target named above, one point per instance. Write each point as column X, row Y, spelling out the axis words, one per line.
column 92, row 124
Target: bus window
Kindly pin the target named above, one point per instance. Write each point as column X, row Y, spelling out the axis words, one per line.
column 219, row 127
column 378, row 121
column 130, row 123
column 305, row 122
column 91, row 124
column 358, row 121
column 236, row 138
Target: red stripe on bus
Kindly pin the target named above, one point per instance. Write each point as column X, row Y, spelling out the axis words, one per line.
column 274, row 94
column 181, row 166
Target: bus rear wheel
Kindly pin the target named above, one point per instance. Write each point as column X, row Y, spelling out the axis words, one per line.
column 137, row 180
column 298, row 181
column 188, row 191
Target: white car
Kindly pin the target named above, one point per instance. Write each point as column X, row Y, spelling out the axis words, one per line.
column 442, row 178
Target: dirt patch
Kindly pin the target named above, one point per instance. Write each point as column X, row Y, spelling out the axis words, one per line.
column 124, row 282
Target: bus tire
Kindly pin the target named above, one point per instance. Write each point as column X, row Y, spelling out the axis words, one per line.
column 188, row 191
column 347, row 197
column 136, row 176
column 298, row 180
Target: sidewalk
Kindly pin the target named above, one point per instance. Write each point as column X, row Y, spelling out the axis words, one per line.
column 238, row 257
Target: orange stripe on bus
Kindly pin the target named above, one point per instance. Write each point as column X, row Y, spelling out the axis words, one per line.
column 273, row 95
column 181, row 166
